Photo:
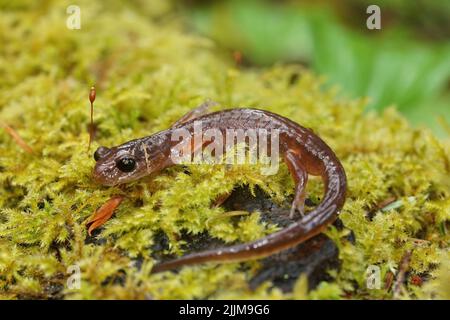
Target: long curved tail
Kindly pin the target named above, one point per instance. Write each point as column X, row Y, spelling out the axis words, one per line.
column 310, row 225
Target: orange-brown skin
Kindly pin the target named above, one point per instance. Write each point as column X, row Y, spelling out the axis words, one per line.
column 303, row 151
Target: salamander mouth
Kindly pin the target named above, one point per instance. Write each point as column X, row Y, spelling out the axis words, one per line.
column 100, row 178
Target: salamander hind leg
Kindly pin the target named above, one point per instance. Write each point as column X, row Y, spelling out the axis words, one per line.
column 300, row 176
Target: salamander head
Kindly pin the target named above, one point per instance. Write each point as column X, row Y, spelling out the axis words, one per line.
column 119, row 164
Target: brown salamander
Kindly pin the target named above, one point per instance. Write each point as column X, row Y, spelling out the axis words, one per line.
column 302, row 150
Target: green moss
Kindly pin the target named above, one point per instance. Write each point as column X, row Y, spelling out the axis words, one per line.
column 147, row 75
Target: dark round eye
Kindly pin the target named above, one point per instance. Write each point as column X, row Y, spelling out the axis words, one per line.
column 100, row 153
column 126, row 164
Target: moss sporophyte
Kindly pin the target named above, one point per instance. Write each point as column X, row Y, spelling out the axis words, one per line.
column 148, row 72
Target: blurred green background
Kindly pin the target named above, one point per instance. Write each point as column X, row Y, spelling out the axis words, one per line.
column 405, row 64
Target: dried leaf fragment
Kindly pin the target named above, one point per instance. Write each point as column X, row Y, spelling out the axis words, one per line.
column 103, row 213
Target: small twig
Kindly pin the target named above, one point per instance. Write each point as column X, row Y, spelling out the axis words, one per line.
column 380, row 206
column 92, row 94
column 17, row 138
column 389, row 280
column 220, row 200
column 403, row 267
column 385, row 203
column 227, row 215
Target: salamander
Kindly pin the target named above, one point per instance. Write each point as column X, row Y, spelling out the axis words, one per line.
column 302, row 150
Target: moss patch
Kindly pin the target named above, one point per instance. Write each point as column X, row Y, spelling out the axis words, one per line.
column 149, row 72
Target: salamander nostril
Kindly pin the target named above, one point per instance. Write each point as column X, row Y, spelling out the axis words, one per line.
column 100, row 153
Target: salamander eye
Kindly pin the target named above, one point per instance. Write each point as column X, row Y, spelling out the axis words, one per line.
column 100, row 153
column 126, row 164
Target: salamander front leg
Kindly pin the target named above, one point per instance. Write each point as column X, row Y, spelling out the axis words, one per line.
column 201, row 110
column 300, row 176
